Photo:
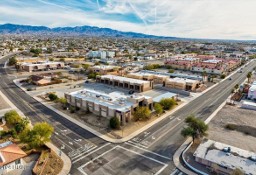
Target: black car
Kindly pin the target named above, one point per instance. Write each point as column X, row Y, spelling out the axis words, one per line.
column 131, row 92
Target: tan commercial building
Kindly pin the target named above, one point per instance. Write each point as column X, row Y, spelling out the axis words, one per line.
column 127, row 83
column 114, row 104
column 102, row 69
column 157, row 79
column 43, row 65
column 182, row 84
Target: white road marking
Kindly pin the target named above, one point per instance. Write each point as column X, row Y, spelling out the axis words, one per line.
column 164, row 165
column 137, row 144
column 149, row 151
column 91, row 152
column 73, row 158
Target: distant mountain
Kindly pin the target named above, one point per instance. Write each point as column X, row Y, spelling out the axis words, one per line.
column 72, row 31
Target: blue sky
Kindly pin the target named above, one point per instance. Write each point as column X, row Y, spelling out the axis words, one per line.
column 218, row 19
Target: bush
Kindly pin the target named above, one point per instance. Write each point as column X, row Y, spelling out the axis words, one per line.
column 223, row 76
column 167, row 103
column 158, row 108
column 72, row 109
column 12, row 61
column 92, row 75
column 152, row 66
column 230, row 126
column 141, row 113
column 52, row 97
column 171, row 71
column 114, row 123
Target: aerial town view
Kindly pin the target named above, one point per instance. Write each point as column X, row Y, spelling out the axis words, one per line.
column 127, row 87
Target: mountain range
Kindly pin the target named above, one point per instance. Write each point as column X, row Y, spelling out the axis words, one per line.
column 73, row 31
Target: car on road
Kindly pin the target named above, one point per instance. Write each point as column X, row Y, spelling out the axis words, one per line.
column 230, row 78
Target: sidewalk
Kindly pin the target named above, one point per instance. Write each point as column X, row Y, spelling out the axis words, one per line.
column 67, row 162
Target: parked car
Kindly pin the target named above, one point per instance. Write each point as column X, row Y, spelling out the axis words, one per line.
column 131, row 92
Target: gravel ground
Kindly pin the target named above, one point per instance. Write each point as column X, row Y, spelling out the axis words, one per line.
column 233, row 115
column 3, row 104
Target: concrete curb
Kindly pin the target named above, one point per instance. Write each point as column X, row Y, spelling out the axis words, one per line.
column 66, row 164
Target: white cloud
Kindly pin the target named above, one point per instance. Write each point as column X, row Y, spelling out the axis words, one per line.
column 227, row 19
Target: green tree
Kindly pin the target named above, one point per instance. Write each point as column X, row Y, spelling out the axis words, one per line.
column 222, row 76
column 92, row 75
column 141, row 113
column 114, row 123
column 51, row 59
column 158, row 108
column 62, row 59
column 171, row 71
column 38, row 136
column 236, row 86
column 86, row 66
column 12, row 61
column 196, row 128
column 52, row 96
column 97, row 63
column 12, row 117
column 167, row 103
column 249, row 76
column 19, row 127
column 63, row 101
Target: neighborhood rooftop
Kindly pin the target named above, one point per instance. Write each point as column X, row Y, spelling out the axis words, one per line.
column 124, row 79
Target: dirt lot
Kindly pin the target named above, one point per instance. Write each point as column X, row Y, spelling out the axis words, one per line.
column 3, row 104
column 237, row 116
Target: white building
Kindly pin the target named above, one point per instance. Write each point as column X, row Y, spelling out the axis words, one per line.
column 102, row 54
column 114, row 104
column 225, row 158
column 252, row 91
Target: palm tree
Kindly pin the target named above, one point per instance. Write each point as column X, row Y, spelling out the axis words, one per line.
column 204, row 74
column 249, row 76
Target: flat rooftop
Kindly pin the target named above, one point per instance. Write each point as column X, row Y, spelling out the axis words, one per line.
column 103, row 67
column 192, row 77
column 114, row 100
column 146, row 74
column 165, row 95
column 211, row 61
column 237, row 158
column 124, row 79
column 41, row 63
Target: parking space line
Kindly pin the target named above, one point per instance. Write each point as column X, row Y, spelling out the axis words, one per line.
column 150, row 151
column 91, row 152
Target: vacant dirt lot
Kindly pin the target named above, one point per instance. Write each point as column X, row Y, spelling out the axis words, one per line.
column 3, row 104
column 238, row 116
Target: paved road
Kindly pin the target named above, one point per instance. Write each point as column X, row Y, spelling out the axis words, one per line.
column 156, row 146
